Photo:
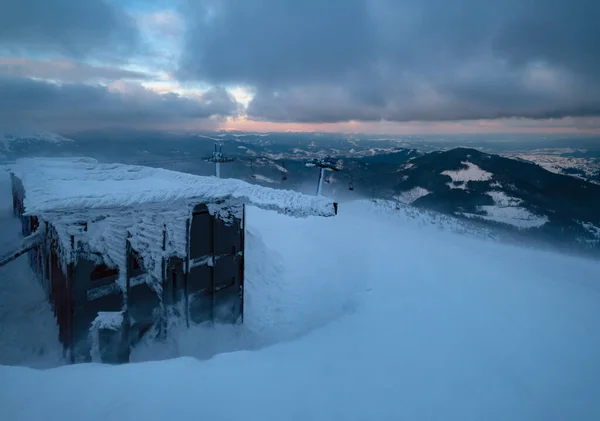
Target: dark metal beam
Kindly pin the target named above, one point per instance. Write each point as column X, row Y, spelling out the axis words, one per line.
column 26, row 245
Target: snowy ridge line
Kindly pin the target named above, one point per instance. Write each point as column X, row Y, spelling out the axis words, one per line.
column 83, row 183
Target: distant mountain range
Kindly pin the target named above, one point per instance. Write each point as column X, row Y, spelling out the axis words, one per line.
column 549, row 195
column 20, row 143
column 510, row 193
column 571, row 163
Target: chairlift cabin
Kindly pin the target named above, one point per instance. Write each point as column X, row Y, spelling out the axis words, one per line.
column 127, row 251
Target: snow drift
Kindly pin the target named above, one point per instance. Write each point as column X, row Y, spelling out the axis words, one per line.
column 55, row 184
column 363, row 316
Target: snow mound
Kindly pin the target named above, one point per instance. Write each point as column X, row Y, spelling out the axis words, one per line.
column 108, row 320
column 461, row 177
column 83, row 183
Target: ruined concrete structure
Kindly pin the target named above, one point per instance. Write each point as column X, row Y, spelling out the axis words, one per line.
column 123, row 255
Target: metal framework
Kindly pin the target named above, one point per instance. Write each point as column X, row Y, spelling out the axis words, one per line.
column 324, row 164
column 218, row 158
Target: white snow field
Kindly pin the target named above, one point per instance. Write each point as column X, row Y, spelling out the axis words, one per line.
column 364, row 316
column 409, row 196
column 506, row 210
column 461, row 177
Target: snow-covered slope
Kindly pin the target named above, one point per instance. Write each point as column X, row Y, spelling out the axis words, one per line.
column 514, row 195
column 363, row 316
column 552, row 160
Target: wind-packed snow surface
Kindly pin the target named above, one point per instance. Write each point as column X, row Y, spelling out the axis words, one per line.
column 365, row 316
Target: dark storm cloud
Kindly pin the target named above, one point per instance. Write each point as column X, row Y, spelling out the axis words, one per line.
column 74, row 28
column 338, row 60
column 275, row 42
column 65, row 106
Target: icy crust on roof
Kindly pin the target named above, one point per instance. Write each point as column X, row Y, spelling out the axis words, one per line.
column 83, row 183
column 102, row 206
column 103, row 235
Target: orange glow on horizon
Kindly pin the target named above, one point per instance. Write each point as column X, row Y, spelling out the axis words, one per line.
column 409, row 128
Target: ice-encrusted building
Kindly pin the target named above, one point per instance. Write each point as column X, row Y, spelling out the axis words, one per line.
column 125, row 251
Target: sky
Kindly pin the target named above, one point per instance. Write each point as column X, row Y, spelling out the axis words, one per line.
column 373, row 66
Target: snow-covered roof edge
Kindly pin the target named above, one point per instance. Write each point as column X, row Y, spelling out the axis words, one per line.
column 64, row 184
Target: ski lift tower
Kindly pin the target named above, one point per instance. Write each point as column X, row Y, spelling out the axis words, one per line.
column 218, row 158
column 324, row 164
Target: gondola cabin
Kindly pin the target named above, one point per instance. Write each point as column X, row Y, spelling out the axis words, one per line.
column 127, row 251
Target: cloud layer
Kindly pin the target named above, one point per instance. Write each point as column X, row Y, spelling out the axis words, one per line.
column 304, row 61
column 64, row 70
column 68, row 28
column 27, row 102
column 400, row 60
